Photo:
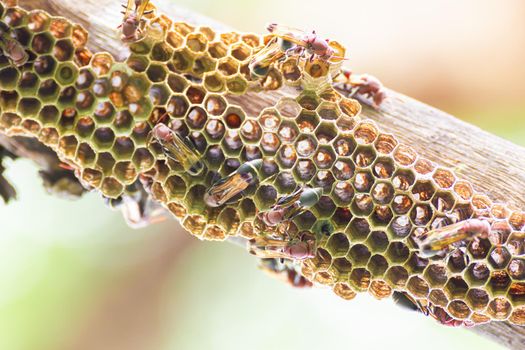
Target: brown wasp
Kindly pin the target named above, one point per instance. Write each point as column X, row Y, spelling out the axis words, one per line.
column 363, row 84
column 438, row 240
column 134, row 10
column 303, row 42
column 301, row 248
column 11, row 48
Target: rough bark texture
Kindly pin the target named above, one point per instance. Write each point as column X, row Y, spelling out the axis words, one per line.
column 490, row 163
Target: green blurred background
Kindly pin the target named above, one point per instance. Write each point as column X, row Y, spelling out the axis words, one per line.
column 73, row 276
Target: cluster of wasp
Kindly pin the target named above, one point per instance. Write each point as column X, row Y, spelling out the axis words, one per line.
column 319, row 194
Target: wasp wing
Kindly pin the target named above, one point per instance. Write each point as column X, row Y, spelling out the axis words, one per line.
column 142, row 8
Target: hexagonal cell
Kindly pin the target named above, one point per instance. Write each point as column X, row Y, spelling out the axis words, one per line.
column 29, row 107
column 196, row 118
column 324, row 179
column 444, row 178
column 157, row 73
column 45, row 66
column 403, row 179
column 401, row 204
column 456, row 288
column 28, row 82
column 182, row 60
column 499, row 282
column 92, row 177
column 436, row 275
column 377, row 241
column 350, row 107
column 443, row 201
column 397, row 276
column 240, row 51
column 499, row 309
column 177, row 106
column 194, row 224
column 459, row 309
column 8, row 78
column 343, row 193
column 291, row 71
column 67, row 119
column 380, row 289
column 175, row 187
column 499, row 258
column 416, row 264
column 101, row 63
column 228, row 66
column 365, row 133
column 362, row 204
column 383, row 168
column 125, row 172
column 343, row 170
column 418, row 287
column 477, row 299
column 305, row 145
column 304, row 170
column 68, row 146
column 85, row 127
column 518, row 316
column 382, row 192
column 103, row 138
column 285, row 182
column 423, row 190
column 464, row 190
column 270, row 143
column 381, row 216
column 363, row 181
column 307, row 122
column 322, row 259
column 237, row 84
column 287, row 132
column 517, row 220
column 341, row 218
column 358, row 230
column 516, row 269
column 364, row 156
column 85, row 155
column 63, row 50
column 397, row 252
column 479, row 248
column 66, row 73
column 324, row 157
column 343, row 267
column 405, row 155
column 84, row 102
column 517, row 293
column 477, row 274
column 421, row 214
column 123, row 147
column 344, row 146
column 360, row 279
column 48, row 115
column 377, row 265
column 438, row 297
column 42, row 43
column 344, row 291
column 516, row 243
column 385, row 143
column 38, row 21
column 338, row 245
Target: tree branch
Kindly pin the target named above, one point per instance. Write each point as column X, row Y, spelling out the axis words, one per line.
column 490, row 163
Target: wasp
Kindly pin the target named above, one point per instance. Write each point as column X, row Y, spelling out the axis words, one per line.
column 438, row 240
column 290, row 206
column 261, row 62
column 363, row 84
column 303, row 42
column 178, row 149
column 294, row 249
column 285, row 270
column 11, row 48
column 230, row 186
column 134, row 10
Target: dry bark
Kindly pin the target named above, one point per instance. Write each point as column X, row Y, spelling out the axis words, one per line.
column 490, row 163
